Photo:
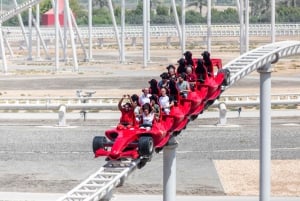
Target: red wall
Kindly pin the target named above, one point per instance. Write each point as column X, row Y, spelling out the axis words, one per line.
column 49, row 19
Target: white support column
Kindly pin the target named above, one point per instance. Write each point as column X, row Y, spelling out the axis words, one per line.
column 57, row 24
column 123, row 31
column 72, row 38
column 90, row 14
column 242, row 27
column 22, row 25
column 169, row 170
column 78, row 35
column 30, row 33
column 148, row 30
column 59, row 29
column 222, row 114
column 115, row 26
column 265, row 133
column 183, row 27
column 246, row 25
column 39, row 35
column 273, row 21
column 209, row 25
column 4, row 62
column 65, row 35
column 62, row 115
column 37, row 26
column 7, row 44
column 145, row 43
column 177, row 21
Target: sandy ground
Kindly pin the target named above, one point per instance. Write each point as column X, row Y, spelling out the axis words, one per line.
column 241, row 177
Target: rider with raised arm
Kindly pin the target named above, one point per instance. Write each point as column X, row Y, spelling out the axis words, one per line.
column 127, row 115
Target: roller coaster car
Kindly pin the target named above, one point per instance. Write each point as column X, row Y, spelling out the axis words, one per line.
column 214, row 81
column 179, row 112
column 133, row 142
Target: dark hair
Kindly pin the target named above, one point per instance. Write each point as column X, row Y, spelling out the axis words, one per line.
column 205, row 54
column 135, row 97
column 164, row 75
column 181, row 61
column 154, row 97
column 128, row 104
column 200, row 69
column 147, row 106
column 199, row 62
column 153, row 87
column 188, row 54
column 170, row 66
column 152, row 81
column 173, row 91
column 183, row 75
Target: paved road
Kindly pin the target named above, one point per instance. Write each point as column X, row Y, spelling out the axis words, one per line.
column 40, row 158
column 120, row 197
column 36, row 156
column 125, row 79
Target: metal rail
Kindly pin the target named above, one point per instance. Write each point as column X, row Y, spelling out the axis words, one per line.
column 100, row 103
column 17, row 10
column 14, row 33
column 99, row 185
column 252, row 60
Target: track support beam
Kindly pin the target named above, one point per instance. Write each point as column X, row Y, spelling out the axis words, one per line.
column 169, row 170
column 265, row 133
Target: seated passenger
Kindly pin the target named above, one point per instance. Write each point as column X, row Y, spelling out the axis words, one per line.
column 144, row 98
column 173, row 91
column 147, row 116
column 135, row 97
column 165, row 102
column 183, row 86
column 164, row 82
column 188, row 58
column 155, row 107
column 136, row 110
column 171, row 72
column 191, row 77
column 127, row 114
column 200, row 70
column 181, row 68
column 207, row 63
column 153, row 89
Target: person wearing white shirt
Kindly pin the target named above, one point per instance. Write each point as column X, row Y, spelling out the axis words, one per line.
column 164, row 101
column 145, row 97
column 147, row 116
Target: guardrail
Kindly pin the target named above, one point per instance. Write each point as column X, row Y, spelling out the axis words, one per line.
column 53, row 103
column 14, row 33
column 101, row 103
column 66, row 104
column 254, row 100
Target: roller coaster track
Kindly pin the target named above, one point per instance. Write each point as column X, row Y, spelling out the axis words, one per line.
column 17, row 10
column 253, row 60
column 101, row 183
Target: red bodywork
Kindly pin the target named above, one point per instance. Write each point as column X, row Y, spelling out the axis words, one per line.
column 124, row 142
